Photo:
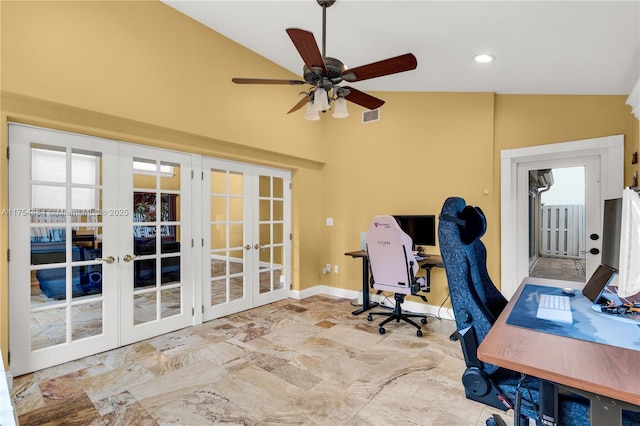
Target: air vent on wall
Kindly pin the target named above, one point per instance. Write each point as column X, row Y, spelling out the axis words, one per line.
column 370, row 116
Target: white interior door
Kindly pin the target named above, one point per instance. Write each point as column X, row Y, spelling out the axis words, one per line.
column 272, row 235
column 246, row 223
column 62, row 225
column 154, row 242
column 227, row 239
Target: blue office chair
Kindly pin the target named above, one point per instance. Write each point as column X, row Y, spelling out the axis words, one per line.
column 476, row 304
column 394, row 268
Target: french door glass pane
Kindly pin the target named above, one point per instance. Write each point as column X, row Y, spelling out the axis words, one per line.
column 271, row 233
column 65, row 245
column 227, row 201
column 157, row 274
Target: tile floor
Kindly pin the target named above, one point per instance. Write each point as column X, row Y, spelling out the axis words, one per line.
column 307, row 362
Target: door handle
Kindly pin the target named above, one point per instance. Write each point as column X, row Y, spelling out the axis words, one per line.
column 594, row 251
column 128, row 257
column 247, row 247
column 109, row 259
column 257, row 246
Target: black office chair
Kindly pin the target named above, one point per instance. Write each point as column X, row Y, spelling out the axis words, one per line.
column 393, row 268
column 476, row 304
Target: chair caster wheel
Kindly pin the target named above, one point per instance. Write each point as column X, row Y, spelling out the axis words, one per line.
column 382, row 330
column 419, row 333
column 423, row 320
column 369, row 317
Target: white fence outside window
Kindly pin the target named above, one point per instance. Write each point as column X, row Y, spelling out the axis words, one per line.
column 562, row 231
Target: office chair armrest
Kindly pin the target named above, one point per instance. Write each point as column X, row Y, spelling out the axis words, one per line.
column 469, row 343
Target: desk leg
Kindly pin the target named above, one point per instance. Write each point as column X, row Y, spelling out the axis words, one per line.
column 366, row 305
column 604, row 410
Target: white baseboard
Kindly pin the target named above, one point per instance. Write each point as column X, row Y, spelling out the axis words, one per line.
column 409, row 305
column 328, row 290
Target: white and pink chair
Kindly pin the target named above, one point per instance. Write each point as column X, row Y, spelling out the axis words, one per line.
column 393, row 269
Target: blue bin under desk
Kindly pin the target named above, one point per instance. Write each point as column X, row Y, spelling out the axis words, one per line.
column 53, row 282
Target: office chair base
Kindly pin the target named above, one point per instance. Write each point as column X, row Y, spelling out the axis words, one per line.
column 495, row 420
column 398, row 315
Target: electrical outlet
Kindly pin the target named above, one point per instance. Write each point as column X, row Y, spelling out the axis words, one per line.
column 335, row 268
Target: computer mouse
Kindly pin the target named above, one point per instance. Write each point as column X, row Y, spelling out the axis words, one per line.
column 568, row 291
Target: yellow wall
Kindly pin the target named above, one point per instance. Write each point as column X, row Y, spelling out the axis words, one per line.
column 425, row 148
column 141, row 72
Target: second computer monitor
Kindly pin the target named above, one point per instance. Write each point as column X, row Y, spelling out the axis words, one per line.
column 421, row 228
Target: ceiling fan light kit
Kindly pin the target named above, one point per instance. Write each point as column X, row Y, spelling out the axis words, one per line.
column 324, row 74
column 311, row 113
column 340, row 108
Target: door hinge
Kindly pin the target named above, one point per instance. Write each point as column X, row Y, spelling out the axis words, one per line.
column 289, row 185
column 193, row 311
column 202, row 242
column 290, row 237
column 8, row 153
column 202, row 175
column 203, row 309
column 191, row 174
column 192, row 243
column 8, row 255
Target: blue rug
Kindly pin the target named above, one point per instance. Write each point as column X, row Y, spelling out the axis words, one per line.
column 587, row 323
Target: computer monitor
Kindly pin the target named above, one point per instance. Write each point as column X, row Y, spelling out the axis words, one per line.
column 611, row 223
column 421, row 228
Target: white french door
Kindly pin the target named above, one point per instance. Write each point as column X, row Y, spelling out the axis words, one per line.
column 100, row 245
column 62, row 294
column 246, row 227
column 154, row 251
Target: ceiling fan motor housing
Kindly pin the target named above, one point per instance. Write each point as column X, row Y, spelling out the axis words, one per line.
column 334, row 67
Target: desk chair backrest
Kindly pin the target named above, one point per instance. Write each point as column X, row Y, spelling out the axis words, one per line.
column 393, row 265
column 475, row 300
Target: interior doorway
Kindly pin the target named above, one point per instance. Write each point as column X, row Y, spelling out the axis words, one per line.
column 605, row 152
column 557, row 246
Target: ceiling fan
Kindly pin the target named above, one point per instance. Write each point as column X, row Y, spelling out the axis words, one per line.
column 324, row 74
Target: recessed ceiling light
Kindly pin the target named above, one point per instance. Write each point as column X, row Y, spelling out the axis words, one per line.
column 483, row 58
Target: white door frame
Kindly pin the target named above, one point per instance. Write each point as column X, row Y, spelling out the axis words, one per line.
column 514, row 219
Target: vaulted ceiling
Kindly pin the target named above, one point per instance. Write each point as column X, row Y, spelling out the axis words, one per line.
column 540, row 47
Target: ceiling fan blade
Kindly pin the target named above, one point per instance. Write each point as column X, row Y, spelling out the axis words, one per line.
column 299, row 105
column 394, row 65
column 308, row 49
column 265, row 81
column 363, row 99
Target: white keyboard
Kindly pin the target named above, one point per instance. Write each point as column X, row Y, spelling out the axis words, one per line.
column 554, row 308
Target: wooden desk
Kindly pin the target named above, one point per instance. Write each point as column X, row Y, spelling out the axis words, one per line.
column 430, row 261
column 599, row 369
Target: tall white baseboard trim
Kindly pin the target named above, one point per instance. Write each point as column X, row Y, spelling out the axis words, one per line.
column 408, row 305
column 328, row 290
